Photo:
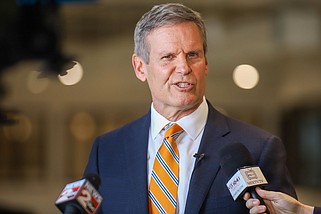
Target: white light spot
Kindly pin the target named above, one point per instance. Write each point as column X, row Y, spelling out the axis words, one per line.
column 245, row 76
column 73, row 75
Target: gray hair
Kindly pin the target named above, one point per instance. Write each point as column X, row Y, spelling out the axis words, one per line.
column 159, row 16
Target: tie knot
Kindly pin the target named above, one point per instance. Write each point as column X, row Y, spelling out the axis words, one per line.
column 173, row 130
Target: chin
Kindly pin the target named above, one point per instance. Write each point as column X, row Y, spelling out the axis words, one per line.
column 187, row 104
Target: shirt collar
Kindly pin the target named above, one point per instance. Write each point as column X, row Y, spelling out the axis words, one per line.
column 192, row 124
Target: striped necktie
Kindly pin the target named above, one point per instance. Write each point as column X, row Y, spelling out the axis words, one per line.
column 164, row 180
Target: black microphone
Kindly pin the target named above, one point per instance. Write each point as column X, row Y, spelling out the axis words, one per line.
column 80, row 197
column 198, row 158
column 237, row 163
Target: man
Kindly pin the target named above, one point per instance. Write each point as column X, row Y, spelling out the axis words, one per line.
column 170, row 55
column 278, row 203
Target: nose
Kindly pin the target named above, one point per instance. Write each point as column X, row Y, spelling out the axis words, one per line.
column 183, row 65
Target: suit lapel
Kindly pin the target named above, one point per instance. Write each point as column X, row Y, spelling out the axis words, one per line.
column 136, row 159
column 205, row 170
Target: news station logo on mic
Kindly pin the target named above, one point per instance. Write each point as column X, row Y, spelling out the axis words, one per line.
column 80, row 193
column 250, row 174
column 244, row 178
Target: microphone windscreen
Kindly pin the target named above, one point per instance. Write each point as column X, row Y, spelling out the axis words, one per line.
column 94, row 179
column 234, row 156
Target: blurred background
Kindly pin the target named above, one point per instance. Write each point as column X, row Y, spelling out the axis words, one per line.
column 66, row 77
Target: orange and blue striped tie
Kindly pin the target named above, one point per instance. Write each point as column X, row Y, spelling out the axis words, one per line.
column 164, row 180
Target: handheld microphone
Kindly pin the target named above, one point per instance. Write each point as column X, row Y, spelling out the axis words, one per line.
column 237, row 163
column 80, row 197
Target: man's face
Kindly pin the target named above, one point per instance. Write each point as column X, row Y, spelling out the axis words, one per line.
column 177, row 68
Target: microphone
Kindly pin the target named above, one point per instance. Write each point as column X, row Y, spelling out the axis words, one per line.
column 237, row 163
column 199, row 157
column 80, row 197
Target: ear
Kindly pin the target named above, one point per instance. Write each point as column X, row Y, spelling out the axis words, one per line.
column 139, row 67
column 206, row 68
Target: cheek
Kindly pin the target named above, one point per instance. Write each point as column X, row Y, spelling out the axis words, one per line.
column 205, row 69
column 155, row 82
column 201, row 74
column 159, row 77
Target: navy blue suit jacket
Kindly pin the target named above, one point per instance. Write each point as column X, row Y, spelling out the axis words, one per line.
column 120, row 159
column 317, row 210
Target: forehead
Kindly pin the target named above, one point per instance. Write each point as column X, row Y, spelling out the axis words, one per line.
column 182, row 34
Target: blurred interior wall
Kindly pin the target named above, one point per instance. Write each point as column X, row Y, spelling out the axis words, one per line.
column 49, row 145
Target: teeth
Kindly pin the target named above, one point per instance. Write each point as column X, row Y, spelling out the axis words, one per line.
column 182, row 84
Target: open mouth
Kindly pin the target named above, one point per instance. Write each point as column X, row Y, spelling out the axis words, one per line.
column 183, row 84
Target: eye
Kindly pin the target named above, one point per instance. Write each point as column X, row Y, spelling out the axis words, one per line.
column 167, row 57
column 192, row 55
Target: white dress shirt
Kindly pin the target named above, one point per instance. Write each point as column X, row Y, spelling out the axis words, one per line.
column 188, row 143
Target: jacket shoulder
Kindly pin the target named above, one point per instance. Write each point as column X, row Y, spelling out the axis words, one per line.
column 131, row 129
